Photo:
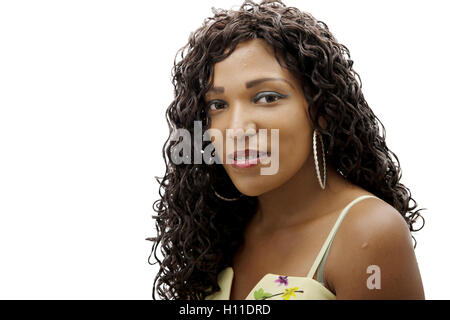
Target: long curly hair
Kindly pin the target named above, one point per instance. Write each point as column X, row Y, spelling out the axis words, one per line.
column 198, row 232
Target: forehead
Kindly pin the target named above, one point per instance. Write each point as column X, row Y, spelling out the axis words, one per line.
column 250, row 59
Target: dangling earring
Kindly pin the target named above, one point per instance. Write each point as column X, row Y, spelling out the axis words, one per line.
column 322, row 184
column 226, row 199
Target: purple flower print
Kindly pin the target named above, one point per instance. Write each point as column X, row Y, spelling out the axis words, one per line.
column 282, row 280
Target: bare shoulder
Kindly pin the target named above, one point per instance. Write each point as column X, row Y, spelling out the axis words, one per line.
column 373, row 255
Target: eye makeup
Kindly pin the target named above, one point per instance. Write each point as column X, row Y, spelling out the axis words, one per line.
column 254, row 100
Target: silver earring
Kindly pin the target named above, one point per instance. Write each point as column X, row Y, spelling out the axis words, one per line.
column 322, row 184
column 226, row 199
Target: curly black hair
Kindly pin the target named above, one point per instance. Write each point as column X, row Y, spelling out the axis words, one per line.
column 200, row 233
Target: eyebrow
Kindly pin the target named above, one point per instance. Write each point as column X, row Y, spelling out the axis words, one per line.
column 252, row 83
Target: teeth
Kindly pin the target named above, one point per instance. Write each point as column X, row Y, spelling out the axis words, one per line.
column 243, row 158
column 250, row 157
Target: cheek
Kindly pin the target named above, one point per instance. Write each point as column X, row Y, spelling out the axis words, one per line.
column 294, row 133
column 295, row 142
column 295, row 146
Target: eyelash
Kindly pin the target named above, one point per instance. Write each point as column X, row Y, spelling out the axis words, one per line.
column 278, row 95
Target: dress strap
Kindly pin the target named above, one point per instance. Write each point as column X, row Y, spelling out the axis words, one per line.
column 323, row 253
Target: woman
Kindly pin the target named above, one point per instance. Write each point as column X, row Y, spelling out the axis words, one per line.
column 227, row 231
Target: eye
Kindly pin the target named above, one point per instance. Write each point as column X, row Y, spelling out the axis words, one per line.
column 215, row 105
column 270, row 97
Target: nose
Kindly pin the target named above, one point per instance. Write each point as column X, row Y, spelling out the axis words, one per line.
column 241, row 124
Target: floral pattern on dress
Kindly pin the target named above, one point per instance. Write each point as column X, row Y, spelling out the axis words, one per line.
column 282, row 280
column 260, row 294
column 290, row 293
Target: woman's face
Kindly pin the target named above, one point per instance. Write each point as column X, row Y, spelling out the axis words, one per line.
column 241, row 101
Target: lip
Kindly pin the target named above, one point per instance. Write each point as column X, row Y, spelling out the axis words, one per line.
column 247, row 163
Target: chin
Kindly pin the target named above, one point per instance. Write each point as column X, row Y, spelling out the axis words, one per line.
column 252, row 193
column 250, row 188
column 256, row 186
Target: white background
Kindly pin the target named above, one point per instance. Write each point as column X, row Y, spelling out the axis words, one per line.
column 84, row 86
